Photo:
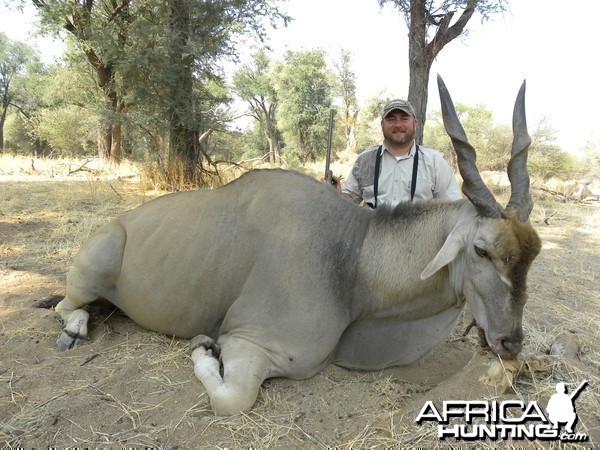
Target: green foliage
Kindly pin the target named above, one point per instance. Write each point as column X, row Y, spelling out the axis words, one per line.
column 67, row 130
column 14, row 57
column 254, row 143
column 52, row 100
column 305, row 86
column 551, row 163
column 255, row 84
column 224, row 146
column 148, row 60
column 16, row 135
column 546, row 159
column 368, row 128
column 291, row 100
column 432, row 25
column 591, row 157
column 345, row 89
column 156, row 65
column 435, row 136
column 493, row 143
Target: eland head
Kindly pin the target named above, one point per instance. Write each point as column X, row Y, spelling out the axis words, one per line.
column 499, row 244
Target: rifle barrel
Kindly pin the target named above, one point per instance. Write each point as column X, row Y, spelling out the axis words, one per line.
column 328, row 172
column 576, row 392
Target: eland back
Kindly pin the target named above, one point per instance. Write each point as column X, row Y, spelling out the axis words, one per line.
column 276, row 275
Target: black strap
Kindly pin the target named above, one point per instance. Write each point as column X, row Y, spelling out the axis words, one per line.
column 376, row 180
column 413, row 185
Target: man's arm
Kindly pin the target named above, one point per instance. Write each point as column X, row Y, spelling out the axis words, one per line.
column 351, row 191
column 446, row 185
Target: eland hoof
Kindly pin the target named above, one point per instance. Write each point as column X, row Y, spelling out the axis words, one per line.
column 66, row 341
column 207, row 343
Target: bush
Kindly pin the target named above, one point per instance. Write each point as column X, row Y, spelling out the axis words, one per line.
column 552, row 163
column 16, row 137
column 67, row 130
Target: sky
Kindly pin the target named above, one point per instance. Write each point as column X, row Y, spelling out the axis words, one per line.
column 544, row 42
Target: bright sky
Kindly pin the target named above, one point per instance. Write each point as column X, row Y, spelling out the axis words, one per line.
column 547, row 42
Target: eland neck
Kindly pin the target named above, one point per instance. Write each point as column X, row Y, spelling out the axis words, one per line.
column 399, row 244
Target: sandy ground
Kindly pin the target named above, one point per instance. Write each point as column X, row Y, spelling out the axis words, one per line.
column 128, row 387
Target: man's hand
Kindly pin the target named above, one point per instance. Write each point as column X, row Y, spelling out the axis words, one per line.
column 336, row 182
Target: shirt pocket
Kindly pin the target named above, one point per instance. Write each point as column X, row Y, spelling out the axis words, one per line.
column 425, row 188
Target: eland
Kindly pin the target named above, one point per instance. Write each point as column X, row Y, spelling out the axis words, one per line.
column 276, row 275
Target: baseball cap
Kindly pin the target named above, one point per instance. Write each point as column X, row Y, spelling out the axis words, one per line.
column 400, row 104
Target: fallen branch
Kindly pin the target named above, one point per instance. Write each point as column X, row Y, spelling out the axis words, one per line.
column 547, row 218
column 81, row 168
column 115, row 191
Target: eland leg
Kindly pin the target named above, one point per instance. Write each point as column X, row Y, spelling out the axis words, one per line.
column 74, row 318
column 96, row 269
column 244, row 367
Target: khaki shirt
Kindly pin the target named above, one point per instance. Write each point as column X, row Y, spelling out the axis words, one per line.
column 435, row 179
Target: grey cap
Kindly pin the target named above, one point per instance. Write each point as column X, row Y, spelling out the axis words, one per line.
column 400, row 104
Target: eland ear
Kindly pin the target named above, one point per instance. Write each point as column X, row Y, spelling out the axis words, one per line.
column 455, row 242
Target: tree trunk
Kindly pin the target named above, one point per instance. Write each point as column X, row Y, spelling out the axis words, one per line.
column 273, row 139
column 421, row 53
column 104, row 142
column 418, row 92
column 79, row 24
column 184, row 152
column 274, row 150
column 419, row 63
column 115, row 148
column 2, row 122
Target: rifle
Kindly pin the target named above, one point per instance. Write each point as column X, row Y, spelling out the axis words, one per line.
column 328, row 172
column 577, row 391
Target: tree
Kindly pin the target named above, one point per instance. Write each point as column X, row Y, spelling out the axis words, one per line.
column 100, row 31
column 184, row 135
column 63, row 112
column 346, row 89
column 431, row 26
column 254, row 84
column 13, row 60
column 491, row 141
column 202, row 35
column 153, row 61
column 368, row 127
column 307, row 84
column 546, row 159
column 591, row 157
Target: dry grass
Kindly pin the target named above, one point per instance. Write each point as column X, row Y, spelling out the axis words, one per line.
column 127, row 387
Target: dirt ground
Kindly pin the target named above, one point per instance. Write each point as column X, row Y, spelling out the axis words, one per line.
column 128, row 387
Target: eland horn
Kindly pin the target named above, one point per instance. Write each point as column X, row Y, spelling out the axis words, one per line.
column 473, row 186
column 520, row 200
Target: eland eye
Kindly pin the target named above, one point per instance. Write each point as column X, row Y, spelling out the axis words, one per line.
column 481, row 252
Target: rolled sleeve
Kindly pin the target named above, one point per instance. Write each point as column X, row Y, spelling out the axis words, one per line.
column 446, row 185
column 352, row 188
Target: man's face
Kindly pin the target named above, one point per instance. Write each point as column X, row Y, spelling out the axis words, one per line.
column 398, row 127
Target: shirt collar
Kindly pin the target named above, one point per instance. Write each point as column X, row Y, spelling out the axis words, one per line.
column 410, row 153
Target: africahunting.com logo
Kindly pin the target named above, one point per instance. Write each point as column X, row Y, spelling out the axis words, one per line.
column 471, row 420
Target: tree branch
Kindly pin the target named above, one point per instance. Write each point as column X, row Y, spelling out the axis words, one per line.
column 446, row 33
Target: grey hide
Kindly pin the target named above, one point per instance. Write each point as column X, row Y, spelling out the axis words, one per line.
column 275, row 274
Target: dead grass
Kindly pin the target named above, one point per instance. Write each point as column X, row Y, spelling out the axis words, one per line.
column 127, row 387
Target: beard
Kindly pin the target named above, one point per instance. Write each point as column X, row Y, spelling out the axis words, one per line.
column 399, row 139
